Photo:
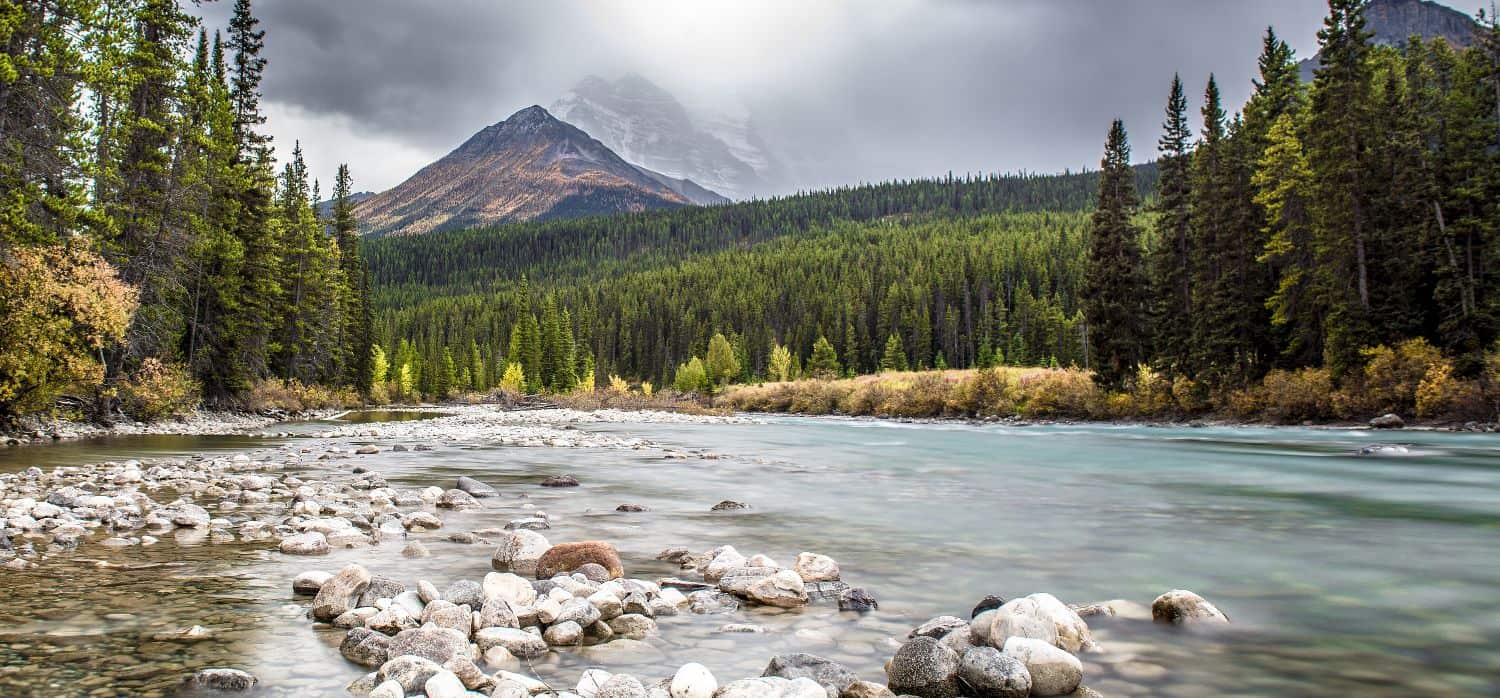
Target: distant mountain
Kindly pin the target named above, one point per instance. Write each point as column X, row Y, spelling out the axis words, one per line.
column 1394, row 21
column 647, row 125
column 532, row 166
column 325, row 207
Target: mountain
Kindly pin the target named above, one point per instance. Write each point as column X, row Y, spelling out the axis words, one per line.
column 647, row 125
column 325, row 207
column 531, row 166
column 1394, row 21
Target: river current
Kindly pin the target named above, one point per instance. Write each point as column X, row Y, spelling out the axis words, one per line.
column 1344, row 574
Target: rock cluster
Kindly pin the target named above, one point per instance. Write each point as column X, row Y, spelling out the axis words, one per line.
column 1027, row 646
column 730, row 577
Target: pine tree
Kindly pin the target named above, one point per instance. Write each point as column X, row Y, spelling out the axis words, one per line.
column 824, row 362
column 894, row 356
column 1172, row 257
column 779, row 363
column 358, row 320
column 1337, row 142
column 1283, row 182
column 247, row 42
column 1114, row 285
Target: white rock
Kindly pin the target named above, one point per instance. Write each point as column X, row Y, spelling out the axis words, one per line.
column 510, row 588
column 725, row 562
column 693, row 680
column 813, row 567
column 1053, row 671
column 445, row 684
column 589, row 683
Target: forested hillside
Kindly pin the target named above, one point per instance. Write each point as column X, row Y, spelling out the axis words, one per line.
column 150, row 252
column 642, row 292
column 1323, row 237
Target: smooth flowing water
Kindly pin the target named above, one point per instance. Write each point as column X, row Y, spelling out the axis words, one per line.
column 1344, row 574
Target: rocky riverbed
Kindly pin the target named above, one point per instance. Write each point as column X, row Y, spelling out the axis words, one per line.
column 338, row 560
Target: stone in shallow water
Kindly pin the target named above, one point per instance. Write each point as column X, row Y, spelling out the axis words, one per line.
column 693, row 680
column 563, row 558
column 1181, row 606
column 380, row 588
column 831, row 675
column 560, row 481
column 857, row 599
column 310, row 543
column 219, row 679
column 431, row 642
column 813, row 567
column 989, row 603
column 519, row 551
column 339, row 593
column 475, row 487
column 410, row 672
column 308, row 583
column 729, row 505
column 366, row 647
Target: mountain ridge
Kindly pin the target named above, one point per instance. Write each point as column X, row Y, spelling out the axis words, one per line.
column 1392, row 22
column 530, row 166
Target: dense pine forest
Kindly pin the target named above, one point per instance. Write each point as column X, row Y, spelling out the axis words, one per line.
column 1326, row 237
column 151, row 254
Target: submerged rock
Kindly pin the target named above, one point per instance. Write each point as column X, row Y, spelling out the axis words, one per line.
column 729, row 505
column 475, row 487
column 218, row 679
column 857, row 599
column 1180, row 606
column 560, row 481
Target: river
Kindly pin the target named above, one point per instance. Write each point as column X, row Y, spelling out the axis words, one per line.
column 1343, row 574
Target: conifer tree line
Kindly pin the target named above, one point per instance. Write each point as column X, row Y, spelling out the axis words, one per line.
column 149, row 247
column 1318, row 223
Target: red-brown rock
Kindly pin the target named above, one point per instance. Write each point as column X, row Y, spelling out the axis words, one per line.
column 563, row 558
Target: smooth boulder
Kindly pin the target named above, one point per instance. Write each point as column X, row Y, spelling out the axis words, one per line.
column 430, row 642
column 339, row 594
column 990, row 674
column 693, row 680
column 831, row 675
column 1053, row 671
column 564, row 558
column 1180, row 607
column 924, row 668
column 475, row 487
column 519, row 551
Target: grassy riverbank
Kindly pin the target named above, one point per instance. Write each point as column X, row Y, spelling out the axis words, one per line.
column 1044, row 393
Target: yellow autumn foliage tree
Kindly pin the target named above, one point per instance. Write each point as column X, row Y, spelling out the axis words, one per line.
column 61, row 305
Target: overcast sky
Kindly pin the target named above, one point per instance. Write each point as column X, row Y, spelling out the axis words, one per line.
column 871, row 90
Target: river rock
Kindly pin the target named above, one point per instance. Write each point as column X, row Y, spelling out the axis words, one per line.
column 738, row 580
column 366, row 647
column 924, row 668
column 446, row 614
column 813, row 567
column 938, row 627
column 783, row 589
column 693, row 680
column 831, row 675
column 562, row 634
column 411, row 672
column 579, row 611
column 444, row 684
column 990, row 674
column 421, row 521
column 510, row 588
column 395, row 618
column 633, row 626
column 475, row 487
column 380, row 588
column 560, row 481
column 308, row 583
column 497, row 613
column 563, row 558
column 309, row 543
column 519, row 551
column 467, row 672
column 621, row 686
column 518, row 642
column 430, row 641
column 509, row 688
column 610, row 607
column 989, row 603
column 709, row 601
column 631, row 508
column 1023, row 617
column 218, row 679
column 857, row 599
column 729, row 505
column 597, row 633
column 388, row 689
column 465, row 591
column 1053, row 671
column 723, row 564
column 457, row 499
column 867, row 689
column 1388, row 421
column 771, row 687
column 339, row 593
column 1180, row 607
column 590, row 681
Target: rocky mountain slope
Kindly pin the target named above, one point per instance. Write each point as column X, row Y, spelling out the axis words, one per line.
column 647, row 125
column 1394, row 21
column 532, row 166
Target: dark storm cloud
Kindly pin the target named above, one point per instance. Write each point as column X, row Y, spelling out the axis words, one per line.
column 847, row 91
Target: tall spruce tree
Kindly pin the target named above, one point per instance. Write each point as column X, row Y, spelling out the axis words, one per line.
column 1338, row 141
column 1115, row 289
column 1172, row 257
